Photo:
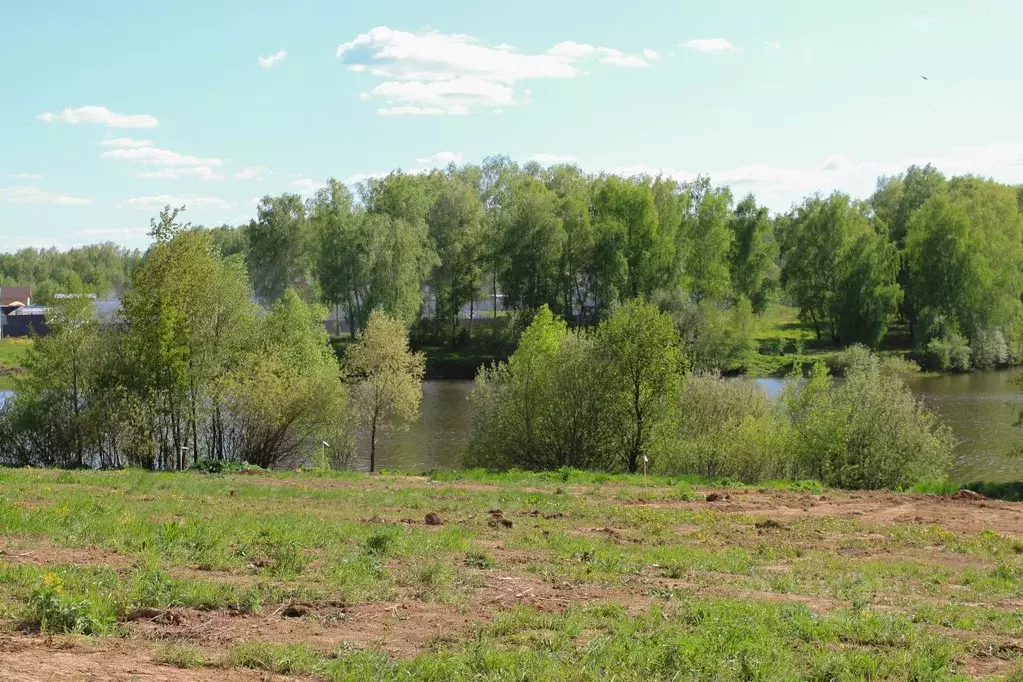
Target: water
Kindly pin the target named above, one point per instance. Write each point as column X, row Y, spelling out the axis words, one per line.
column 981, row 408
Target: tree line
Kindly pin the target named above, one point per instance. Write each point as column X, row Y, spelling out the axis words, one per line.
column 102, row 269
column 939, row 257
column 194, row 370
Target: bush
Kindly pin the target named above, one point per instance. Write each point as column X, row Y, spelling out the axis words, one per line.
column 728, row 428
column 989, row 349
column 868, row 432
column 948, row 352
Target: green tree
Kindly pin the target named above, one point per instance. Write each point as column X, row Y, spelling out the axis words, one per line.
column 289, row 398
column 754, row 253
column 628, row 209
column 868, row 295
column 388, row 377
column 533, row 243
column 280, row 247
column 645, row 365
column 837, row 269
column 346, row 253
column 709, row 239
column 456, row 231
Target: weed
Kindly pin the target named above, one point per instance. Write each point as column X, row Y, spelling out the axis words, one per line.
column 180, row 656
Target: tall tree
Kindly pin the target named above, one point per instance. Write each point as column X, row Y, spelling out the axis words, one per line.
column 710, row 241
column 645, row 364
column 754, row 253
column 629, row 207
column 346, row 253
column 280, row 247
column 533, row 243
column 455, row 227
column 388, row 375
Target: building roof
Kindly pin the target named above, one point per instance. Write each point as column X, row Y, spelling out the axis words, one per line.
column 9, row 295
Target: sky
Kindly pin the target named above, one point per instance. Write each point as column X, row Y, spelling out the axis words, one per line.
column 110, row 109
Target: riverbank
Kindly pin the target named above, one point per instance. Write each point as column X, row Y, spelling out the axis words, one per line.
column 12, row 359
column 472, row 576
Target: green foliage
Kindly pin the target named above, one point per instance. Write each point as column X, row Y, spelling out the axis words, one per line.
column 951, row 351
column 52, row 609
column 572, row 400
column 101, row 269
column 729, row 429
column 279, row 240
column 191, row 372
column 867, row 432
column 754, row 254
column 840, row 272
column 388, row 377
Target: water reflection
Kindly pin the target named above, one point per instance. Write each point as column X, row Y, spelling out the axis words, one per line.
column 981, row 408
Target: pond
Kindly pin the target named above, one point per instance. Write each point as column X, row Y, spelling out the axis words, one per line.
column 981, row 408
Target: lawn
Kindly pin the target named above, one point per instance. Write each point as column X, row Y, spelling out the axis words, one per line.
column 12, row 359
column 128, row 574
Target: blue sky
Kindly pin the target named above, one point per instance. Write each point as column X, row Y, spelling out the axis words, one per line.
column 109, row 109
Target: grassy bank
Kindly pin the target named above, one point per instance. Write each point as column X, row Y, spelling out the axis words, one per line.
column 518, row 576
column 12, row 359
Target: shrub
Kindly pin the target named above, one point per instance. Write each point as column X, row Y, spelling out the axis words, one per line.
column 989, row 349
column 948, row 352
column 52, row 609
column 728, row 428
column 868, row 432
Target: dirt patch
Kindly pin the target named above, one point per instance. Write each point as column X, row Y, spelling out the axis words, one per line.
column 21, row 552
column 37, row 659
column 958, row 513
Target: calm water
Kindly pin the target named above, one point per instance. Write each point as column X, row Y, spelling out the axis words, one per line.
column 981, row 408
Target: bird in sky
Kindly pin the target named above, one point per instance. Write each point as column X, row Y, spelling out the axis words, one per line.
column 925, row 78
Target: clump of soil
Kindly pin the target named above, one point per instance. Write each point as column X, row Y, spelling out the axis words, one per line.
column 497, row 520
column 968, row 496
column 718, row 497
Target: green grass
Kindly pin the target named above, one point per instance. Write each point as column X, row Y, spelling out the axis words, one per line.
column 625, row 577
column 12, row 357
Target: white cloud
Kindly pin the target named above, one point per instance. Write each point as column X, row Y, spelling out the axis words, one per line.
column 34, row 177
column 306, row 185
column 159, row 157
column 126, row 143
column 442, row 158
column 714, row 46
column 437, row 73
column 177, row 172
column 173, row 164
column 112, row 232
column 35, row 195
column 159, row 201
column 250, row 173
column 778, row 187
column 651, row 55
column 100, row 116
column 548, row 159
column 267, row 62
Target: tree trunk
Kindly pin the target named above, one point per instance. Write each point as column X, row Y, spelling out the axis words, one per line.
column 373, row 444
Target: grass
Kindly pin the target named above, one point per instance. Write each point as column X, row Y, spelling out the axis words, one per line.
column 595, row 576
column 12, row 358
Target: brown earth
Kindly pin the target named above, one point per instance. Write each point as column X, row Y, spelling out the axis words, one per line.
column 407, row 626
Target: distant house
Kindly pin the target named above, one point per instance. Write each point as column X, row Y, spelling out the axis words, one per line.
column 14, row 295
column 23, row 320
